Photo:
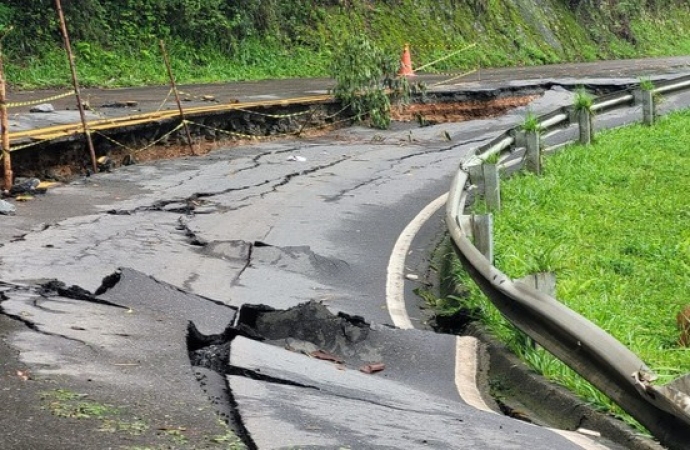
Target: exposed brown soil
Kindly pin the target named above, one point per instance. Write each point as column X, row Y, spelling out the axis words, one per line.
column 67, row 160
column 432, row 113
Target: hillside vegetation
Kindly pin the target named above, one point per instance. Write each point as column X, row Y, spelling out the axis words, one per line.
column 116, row 41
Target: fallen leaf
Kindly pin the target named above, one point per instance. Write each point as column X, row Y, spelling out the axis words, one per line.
column 24, row 375
column 324, row 355
column 47, row 184
column 372, row 368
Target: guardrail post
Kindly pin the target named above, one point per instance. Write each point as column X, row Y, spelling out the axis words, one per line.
column 533, row 152
column 648, row 107
column 475, row 171
column 544, row 282
column 492, row 187
column 584, row 120
column 482, row 231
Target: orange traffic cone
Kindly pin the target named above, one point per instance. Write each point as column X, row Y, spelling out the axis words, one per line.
column 406, row 63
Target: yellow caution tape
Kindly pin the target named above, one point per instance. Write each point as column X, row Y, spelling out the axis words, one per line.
column 454, row 78
column 21, row 147
column 38, row 102
column 445, row 57
column 43, row 135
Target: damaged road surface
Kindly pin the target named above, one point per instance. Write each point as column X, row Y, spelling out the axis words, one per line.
column 122, row 354
column 233, row 266
column 309, row 385
column 297, row 378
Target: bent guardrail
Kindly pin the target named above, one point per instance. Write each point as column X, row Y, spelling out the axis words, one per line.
column 594, row 354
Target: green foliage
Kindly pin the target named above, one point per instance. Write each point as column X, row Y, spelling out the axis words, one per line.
column 216, row 40
column 531, row 123
column 646, row 84
column 583, row 100
column 68, row 404
column 493, row 158
column 363, row 73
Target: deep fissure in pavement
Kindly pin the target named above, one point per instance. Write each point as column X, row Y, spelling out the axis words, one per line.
column 310, row 323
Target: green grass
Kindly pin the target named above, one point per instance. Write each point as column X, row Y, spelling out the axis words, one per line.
column 531, row 123
column 135, row 67
column 583, row 101
column 505, row 34
column 612, row 221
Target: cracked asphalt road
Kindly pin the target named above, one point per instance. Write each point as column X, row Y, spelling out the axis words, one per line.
column 243, row 226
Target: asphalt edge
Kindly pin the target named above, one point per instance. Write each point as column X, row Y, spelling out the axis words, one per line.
column 547, row 399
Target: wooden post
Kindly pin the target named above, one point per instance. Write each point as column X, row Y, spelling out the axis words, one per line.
column 492, row 188
column 177, row 96
column 482, row 231
column 5, row 129
column 584, row 118
column 75, row 83
column 648, row 107
column 533, row 152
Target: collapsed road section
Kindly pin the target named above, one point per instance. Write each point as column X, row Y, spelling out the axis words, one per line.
column 302, row 377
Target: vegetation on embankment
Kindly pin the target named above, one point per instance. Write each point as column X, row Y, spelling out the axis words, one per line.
column 611, row 220
column 116, row 41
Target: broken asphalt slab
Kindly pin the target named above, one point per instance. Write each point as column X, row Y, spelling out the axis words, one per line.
column 129, row 347
column 126, row 348
column 287, row 399
column 306, row 385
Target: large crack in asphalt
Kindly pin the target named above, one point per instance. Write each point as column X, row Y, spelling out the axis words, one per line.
column 301, row 350
column 309, row 323
column 310, row 328
column 396, row 162
column 280, row 349
column 198, row 202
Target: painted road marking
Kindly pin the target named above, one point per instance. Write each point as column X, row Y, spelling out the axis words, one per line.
column 395, row 283
column 466, row 346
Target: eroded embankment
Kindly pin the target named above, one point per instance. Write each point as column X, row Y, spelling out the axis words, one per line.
column 62, row 158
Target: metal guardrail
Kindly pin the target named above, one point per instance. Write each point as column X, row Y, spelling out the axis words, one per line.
column 594, row 354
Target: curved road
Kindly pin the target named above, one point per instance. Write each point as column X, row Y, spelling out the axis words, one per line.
column 272, row 229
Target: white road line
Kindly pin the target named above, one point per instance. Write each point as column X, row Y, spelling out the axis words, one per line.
column 580, row 439
column 395, row 283
column 466, row 373
column 466, row 346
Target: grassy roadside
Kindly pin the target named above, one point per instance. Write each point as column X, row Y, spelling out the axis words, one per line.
column 612, row 221
column 505, row 34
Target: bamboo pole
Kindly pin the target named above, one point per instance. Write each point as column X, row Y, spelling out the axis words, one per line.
column 73, row 69
column 177, row 96
column 5, row 129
